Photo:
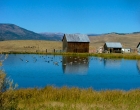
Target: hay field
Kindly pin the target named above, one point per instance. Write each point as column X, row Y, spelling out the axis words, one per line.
column 29, row 45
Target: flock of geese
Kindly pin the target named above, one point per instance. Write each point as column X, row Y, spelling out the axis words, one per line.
column 60, row 60
column 37, row 58
column 65, row 60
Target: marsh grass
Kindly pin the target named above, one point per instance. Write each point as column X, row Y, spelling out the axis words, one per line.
column 2, row 81
column 103, row 55
column 52, row 98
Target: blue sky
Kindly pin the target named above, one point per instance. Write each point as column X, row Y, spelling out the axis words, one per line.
column 73, row 16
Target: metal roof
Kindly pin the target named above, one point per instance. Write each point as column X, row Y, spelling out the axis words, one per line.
column 77, row 38
column 114, row 44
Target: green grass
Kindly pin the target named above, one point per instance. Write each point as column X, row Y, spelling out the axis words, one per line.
column 103, row 55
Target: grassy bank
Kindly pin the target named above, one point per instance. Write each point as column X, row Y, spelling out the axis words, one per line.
column 51, row 98
column 103, row 55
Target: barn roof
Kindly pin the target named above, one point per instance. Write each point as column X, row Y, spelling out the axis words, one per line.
column 77, row 38
column 138, row 44
column 113, row 44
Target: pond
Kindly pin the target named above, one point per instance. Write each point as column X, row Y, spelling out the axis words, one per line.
column 31, row 70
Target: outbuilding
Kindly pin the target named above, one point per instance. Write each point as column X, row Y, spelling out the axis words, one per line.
column 126, row 50
column 113, row 47
column 138, row 48
column 78, row 43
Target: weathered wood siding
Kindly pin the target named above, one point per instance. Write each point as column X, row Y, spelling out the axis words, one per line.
column 79, row 47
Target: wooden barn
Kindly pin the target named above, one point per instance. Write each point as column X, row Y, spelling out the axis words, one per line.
column 75, row 43
column 138, row 48
column 113, row 47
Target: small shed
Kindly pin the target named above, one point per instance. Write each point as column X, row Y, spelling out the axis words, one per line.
column 113, row 47
column 138, row 48
column 75, row 43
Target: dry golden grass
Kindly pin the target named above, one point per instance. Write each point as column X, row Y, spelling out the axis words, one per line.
column 50, row 98
column 128, row 40
column 29, row 45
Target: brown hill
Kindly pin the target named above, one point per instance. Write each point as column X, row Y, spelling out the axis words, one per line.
column 127, row 40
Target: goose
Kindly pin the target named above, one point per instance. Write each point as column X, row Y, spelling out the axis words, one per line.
column 21, row 59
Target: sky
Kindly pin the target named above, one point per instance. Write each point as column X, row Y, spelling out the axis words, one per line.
column 73, row 16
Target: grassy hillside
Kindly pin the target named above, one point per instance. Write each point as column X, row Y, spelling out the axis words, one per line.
column 127, row 40
column 14, row 32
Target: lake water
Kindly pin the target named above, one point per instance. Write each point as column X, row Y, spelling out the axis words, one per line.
column 30, row 70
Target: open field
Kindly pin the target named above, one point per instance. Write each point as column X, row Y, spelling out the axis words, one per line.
column 29, row 46
column 128, row 41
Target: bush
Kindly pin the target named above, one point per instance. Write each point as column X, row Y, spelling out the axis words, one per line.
column 6, row 85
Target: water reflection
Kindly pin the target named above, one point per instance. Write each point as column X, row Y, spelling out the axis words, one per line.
column 75, row 65
column 138, row 65
column 112, row 63
column 30, row 70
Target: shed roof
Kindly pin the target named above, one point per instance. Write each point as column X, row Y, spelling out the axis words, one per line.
column 113, row 44
column 76, row 38
column 138, row 44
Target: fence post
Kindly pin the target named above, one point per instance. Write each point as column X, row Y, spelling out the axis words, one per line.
column 46, row 50
column 54, row 50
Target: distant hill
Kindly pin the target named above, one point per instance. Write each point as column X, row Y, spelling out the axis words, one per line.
column 53, row 36
column 94, row 35
column 128, row 40
column 14, row 32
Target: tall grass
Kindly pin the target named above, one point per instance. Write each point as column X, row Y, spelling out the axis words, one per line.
column 2, row 81
column 70, row 98
column 104, row 55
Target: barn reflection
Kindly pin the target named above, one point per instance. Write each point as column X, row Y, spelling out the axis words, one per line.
column 114, row 63
column 138, row 65
column 75, row 65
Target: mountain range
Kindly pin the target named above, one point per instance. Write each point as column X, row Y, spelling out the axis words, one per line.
column 14, row 32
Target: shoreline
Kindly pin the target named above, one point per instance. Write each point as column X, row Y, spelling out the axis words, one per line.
column 103, row 55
